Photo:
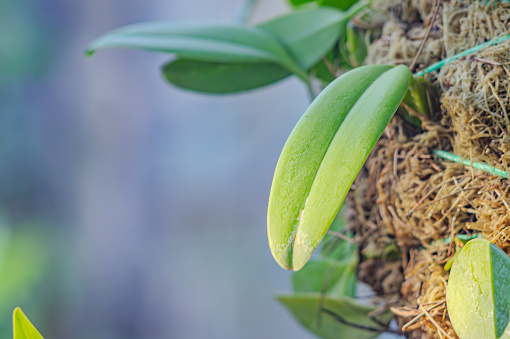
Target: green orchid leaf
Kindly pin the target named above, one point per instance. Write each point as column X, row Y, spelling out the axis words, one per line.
column 23, row 328
column 326, row 276
column 324, row 154
column 299, row 2
column 416, row 96
column 308, row 34
column 417, row 99
column 322, row 71
column 305, row 307
column 335, row 247
column 202, row 42
column 342, row 4
column 356, row 46
column 222, row 78
column 478, row 297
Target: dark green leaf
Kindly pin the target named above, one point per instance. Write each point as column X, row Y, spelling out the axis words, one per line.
column 323, row 73
column 23, row 328
column 300, row 2
column 416, row 96
column 478, row 297
column 324, row 69
column 356, row 46
column 326, row 276
column 211, row 43
column 219, row 78
column 342, row 4
column 416, row 99
column 308, row 34
column 305, row 307
column 336, row 248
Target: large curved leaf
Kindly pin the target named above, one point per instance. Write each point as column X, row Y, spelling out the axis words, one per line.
column 478, row 296
column 308, row 34
column 221, row 78
column 323, row 155
column 205, row 42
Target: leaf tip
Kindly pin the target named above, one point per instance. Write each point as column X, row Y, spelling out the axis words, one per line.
column 22, row 327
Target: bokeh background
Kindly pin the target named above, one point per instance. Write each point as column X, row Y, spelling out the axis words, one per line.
column 128, row 208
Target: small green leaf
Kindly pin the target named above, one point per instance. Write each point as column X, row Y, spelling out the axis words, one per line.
column 342, row 4
column 221, row 78
column 326, row 276
column 211, row 43
column 336, row 248
column 356, row 46
column 417, row 99
column 308, row 34
column 305, row 307
column 322, row 72
column 300, row 2
column 416, row 96
column 23, row 328
column 324, row 154
column 478, row 297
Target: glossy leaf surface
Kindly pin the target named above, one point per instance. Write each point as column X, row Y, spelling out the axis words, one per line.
column 323, row 155
column 23, row 328
column 308, row 34
column 205, row 42
column 221, row 78
column 305, row 307
column 478, row 297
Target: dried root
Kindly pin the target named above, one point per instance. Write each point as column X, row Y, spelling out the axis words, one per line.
column 407, row 205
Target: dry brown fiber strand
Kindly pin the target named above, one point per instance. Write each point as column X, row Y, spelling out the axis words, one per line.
column 408, row 201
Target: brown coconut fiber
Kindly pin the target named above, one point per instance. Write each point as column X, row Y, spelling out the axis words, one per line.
column 407, row 206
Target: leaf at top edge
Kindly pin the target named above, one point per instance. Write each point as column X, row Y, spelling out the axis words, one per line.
column 328, row 276
column 478, row 298
column 222, row 78
column 305, row 307
column 324, row 154
column 300, row 2
column 308, row 34
column 22, row 327
column 342, row 4
column 205, row 42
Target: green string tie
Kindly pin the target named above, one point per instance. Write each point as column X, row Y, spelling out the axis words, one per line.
column 440, row 64
column 474, row 164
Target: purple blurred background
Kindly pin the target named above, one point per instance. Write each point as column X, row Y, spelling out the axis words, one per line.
column 150, row 201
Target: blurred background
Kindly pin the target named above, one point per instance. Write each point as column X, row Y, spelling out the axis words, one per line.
column 128, row 208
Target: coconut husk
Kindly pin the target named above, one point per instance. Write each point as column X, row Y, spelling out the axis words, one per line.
column 407, row 205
